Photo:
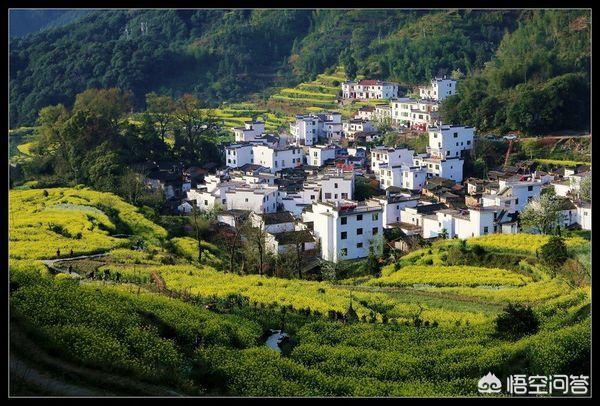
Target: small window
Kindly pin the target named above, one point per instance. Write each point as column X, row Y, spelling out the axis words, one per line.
column 335, row 185
column 359, row 217
column 327, row 195
column 455, row 135
column 359, row 245
column 344, row 220
column 344, row 235
column 375, row 230
column 529, row 188
column 375, row 216
column 485, row 230
column 359, row 231
column 344, row 252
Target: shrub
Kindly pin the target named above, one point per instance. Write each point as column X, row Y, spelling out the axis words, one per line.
column 516, row 321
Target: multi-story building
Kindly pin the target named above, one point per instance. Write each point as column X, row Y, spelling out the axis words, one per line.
column 392, row 204
column 250, row 131
column 259, row 199
column 318, row 155
column 276, row 159
column 414, row 113
column 438, row 89
column 309, row 129
column 449, row 168
column 449, row 141
column 402, row 176
column 354, row 126
column 347, row 229
column 369, row 89
column 390, row 157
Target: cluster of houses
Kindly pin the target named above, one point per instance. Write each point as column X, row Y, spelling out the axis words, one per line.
column 403, row 111
column 300, row 188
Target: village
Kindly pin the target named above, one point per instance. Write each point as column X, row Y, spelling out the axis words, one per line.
column 299, row 188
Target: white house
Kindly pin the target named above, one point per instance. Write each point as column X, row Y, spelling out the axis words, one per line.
column 273, row 223
column 414, row 113
column 449, row 168
column 257, row 199
column 365, row 113
column 392, row 204
column 438, row 89
column 277, row 159
column 522, row 191
column 390, row 157
column 354, row 126
column 185, row 207
column 237, row 155
column 346, row 229
column 369, row 89
column 584, row 215
column 319, row 154
column 290, row 241
column 402, row 176
column 449, row 141
column 250, row 131
column 308, row 129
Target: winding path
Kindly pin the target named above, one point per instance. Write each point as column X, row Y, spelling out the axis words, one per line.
column 50, row 262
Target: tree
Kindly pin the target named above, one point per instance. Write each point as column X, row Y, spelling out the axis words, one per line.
column 200, row 228
column 585, row 188
column 193, row 142
column 554, row 253
column 160, row 110
column 516, row 321
column 372, row 264
column 543, row 214
column 256, row 242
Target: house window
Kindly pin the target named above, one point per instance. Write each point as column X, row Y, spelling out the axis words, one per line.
column 485, row 230
column 529, row 188
column 375, row 216
column 344, row 220
column 455, row 135
column 312, row 197
column 516, row 201
column 206, row 202
column 359, row 231
column 359, row 217
column 327, row 195
column 344, row 235
column 335, row 185
column 468, row 142
column 344, row 195
column 344, row 252
column 375, row 230
column 359, row 245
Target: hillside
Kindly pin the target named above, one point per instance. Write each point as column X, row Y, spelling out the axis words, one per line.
column 222, row 55
column 159, row 317
column 538, row 80
column 23, row 22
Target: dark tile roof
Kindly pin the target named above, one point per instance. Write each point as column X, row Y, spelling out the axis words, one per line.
column 292, row 237
column 278, row 217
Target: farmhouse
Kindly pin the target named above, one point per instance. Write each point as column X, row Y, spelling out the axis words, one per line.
column 367, row 89
column 438, row 89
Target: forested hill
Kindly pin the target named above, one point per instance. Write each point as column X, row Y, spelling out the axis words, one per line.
column 223, row 55
column 23, row 22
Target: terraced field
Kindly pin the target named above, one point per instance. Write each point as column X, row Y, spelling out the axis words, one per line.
column 423, row 328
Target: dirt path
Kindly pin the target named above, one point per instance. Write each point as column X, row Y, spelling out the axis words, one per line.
column 50, row 262
column 23, row 372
